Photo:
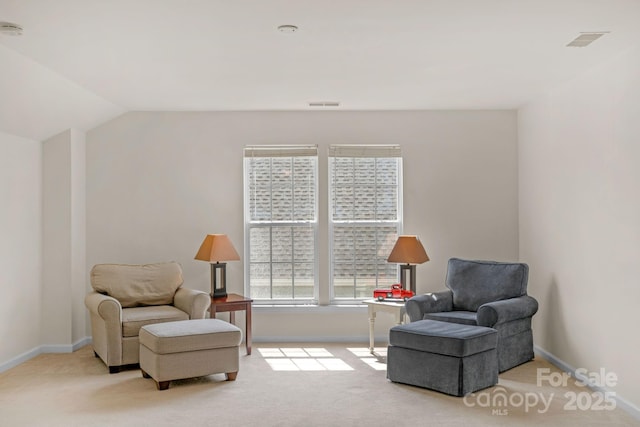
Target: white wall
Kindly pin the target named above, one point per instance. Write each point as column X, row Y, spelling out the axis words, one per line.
column 64, row 283
column 579, row 158
column 80, row 324
column 20, row 245
column 157, row 183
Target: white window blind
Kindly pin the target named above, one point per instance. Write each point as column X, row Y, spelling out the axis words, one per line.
column 281, row 222
column 365, row 217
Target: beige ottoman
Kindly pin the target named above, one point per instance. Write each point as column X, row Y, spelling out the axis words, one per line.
column 189, row 348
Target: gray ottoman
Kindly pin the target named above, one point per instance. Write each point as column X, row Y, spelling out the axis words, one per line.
column 448, row 357
column 189, row 348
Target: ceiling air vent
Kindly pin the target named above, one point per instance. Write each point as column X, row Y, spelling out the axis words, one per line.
column 585, row 39
column 324, row 104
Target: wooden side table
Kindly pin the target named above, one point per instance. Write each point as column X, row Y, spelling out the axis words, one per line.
column 395, row 308
column 233, row 303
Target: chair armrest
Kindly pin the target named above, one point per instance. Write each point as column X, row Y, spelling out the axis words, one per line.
column 106, row 327
column 106, row 307
column 493, row 313
column 194, row 303
column 434, row 302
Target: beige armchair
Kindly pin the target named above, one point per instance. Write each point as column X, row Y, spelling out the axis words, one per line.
column 127, row 297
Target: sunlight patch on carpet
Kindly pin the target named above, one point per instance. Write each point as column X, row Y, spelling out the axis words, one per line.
column 303, row 359
column 377, row 360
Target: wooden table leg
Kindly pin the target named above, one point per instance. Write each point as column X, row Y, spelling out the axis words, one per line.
column 237, row 303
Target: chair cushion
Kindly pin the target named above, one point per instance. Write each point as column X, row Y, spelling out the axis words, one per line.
column 474, row 283
column 190, row 335
column 136, row 285
column 136, row 317
column 463, row 317
column 451, row 339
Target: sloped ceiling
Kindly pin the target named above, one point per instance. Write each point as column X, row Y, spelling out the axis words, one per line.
column 37, row 103
column 81, row 62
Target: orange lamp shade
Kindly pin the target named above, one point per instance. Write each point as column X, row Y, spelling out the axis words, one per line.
column 408, row 250
column 217, row 248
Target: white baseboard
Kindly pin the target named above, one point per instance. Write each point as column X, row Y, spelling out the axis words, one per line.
column 19, row 359
column 627, row 406
column 65, row 348
column 45, row 348
column 81, row 343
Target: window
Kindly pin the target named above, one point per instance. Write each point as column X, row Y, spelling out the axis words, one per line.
column 281, row 222
column 365, row 218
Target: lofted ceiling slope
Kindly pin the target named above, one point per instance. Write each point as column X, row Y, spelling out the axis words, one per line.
column 81, row 62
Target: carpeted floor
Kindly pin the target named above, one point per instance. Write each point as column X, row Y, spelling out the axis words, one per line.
column 285, row 385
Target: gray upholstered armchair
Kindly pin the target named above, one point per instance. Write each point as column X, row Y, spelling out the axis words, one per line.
column 127, row 297
column 485, row 293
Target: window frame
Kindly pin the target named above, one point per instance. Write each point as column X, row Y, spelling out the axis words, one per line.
column 272, row 152
column 360, row 151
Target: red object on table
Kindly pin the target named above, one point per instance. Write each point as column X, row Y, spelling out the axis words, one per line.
column 396, row 292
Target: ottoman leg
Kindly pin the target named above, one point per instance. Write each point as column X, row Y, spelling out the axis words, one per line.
column 144, row 374
column 231, row 376
column 162, row 385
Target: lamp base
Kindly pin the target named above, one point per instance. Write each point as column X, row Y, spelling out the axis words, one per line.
column 218, row 287
column 412, row 279
column 219, row 294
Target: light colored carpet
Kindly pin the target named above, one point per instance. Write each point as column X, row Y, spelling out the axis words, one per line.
column 281, row 385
